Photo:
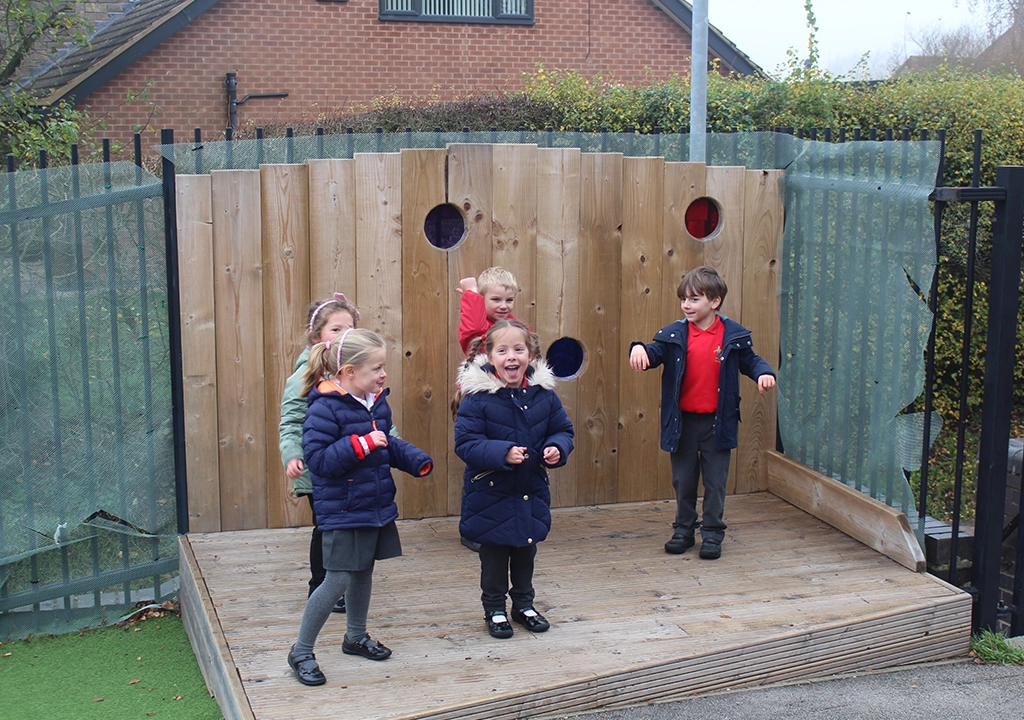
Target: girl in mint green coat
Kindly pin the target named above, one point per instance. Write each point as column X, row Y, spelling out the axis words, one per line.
column 325, row 320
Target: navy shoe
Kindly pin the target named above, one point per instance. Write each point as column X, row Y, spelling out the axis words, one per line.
column 306, row 668
column 339, row 607
column 530, row 619
column 498, row 625
column 367, row 648
column 474, row 546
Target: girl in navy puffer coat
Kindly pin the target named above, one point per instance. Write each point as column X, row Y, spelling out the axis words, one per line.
column 350, row 455
column 510, row 428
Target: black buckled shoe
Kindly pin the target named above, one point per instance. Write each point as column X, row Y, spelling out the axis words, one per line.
column 306, row 668
column 498, row 625
column 366, row 647
column 679, row 544
column 530, row 619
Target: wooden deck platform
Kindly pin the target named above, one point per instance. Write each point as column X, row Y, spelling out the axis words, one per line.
column 790, row 598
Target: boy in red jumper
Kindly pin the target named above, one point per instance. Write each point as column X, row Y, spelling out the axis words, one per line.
column 485, row 301
column 703, row 356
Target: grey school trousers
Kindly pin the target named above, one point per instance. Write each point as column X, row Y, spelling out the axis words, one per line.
column 694, row 459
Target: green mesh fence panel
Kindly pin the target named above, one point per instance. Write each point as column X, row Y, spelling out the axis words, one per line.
column 857, row 262
column 752, row 150
column 87, row 501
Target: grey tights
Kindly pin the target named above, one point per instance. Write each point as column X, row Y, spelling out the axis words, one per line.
column 355, row 586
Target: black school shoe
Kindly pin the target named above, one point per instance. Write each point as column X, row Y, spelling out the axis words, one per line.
column 367, row 648
column 306, row 668
column 679, row 544
column 530, row 619
column 710, row 551
column 498, row 625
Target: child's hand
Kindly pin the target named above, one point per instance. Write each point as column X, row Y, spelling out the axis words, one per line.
column 293, row 469
column 379, row 438
column 515, row 455
column 638, row 359
column 765, row 382
column 466, row 284
column 552, row 455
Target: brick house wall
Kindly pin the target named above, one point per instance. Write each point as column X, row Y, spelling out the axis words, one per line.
column 334, row 57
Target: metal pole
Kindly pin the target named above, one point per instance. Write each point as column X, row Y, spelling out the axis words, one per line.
column 699, row 82
column 996, row 398
column 174, row 327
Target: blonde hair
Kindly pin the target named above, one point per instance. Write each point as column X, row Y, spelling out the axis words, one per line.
column 353, row 347
column 494, row 277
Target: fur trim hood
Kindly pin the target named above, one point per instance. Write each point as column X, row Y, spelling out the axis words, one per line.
column 476, row 375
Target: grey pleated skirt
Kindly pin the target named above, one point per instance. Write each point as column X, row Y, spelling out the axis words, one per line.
column 357, row 548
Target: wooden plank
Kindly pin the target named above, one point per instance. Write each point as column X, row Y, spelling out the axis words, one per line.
column 596, row 422
column 863, row 518
column 284, row 194
column 377, row 266
column 558, row 283
column 332, row 231
column 238, row 297
column 425, row 285
column 724, row 248
column 684, row 183
column 643, row 215
column 762, row 243
column 199, row 350
column 514, row 221
column 207, row 638
column 470, row 186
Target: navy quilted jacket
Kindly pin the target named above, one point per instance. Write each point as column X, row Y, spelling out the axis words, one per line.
column 508, row 504
column 350, row 491
column 738, row 356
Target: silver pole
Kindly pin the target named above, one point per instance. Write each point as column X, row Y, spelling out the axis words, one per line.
column 699, row 82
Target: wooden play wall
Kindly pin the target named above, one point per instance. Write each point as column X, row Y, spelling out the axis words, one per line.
column 596, row 241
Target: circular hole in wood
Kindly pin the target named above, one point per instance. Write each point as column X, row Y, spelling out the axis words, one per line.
column 445, row 227
column 702, row 218
column 566, row 358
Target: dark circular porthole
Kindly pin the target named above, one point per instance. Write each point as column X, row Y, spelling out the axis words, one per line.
column 565, row 356
column 445, row 226
column 702, row 218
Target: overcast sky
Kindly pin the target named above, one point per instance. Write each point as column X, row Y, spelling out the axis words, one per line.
column 765, row 29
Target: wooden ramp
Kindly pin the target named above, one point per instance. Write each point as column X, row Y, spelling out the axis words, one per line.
column 790, row 598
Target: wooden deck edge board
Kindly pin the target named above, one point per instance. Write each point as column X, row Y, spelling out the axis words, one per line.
column 863, row 518
column 718, row 669
column 207, row 638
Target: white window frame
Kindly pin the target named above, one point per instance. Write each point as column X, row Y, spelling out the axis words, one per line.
column 459, row 11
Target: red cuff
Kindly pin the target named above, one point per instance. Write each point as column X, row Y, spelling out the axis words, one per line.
column 362, row 445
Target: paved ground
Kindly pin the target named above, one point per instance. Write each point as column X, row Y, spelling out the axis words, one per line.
column 960, row 690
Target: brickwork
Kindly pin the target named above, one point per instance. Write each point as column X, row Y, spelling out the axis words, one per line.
column 336, row 57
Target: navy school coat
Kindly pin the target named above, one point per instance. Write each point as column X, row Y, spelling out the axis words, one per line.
column 508, row 504
column 351, row 490
column 738, row 356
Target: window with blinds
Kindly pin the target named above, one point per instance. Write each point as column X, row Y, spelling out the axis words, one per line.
column 510, row 12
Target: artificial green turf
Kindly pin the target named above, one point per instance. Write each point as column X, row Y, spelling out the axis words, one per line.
column 142, row 671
